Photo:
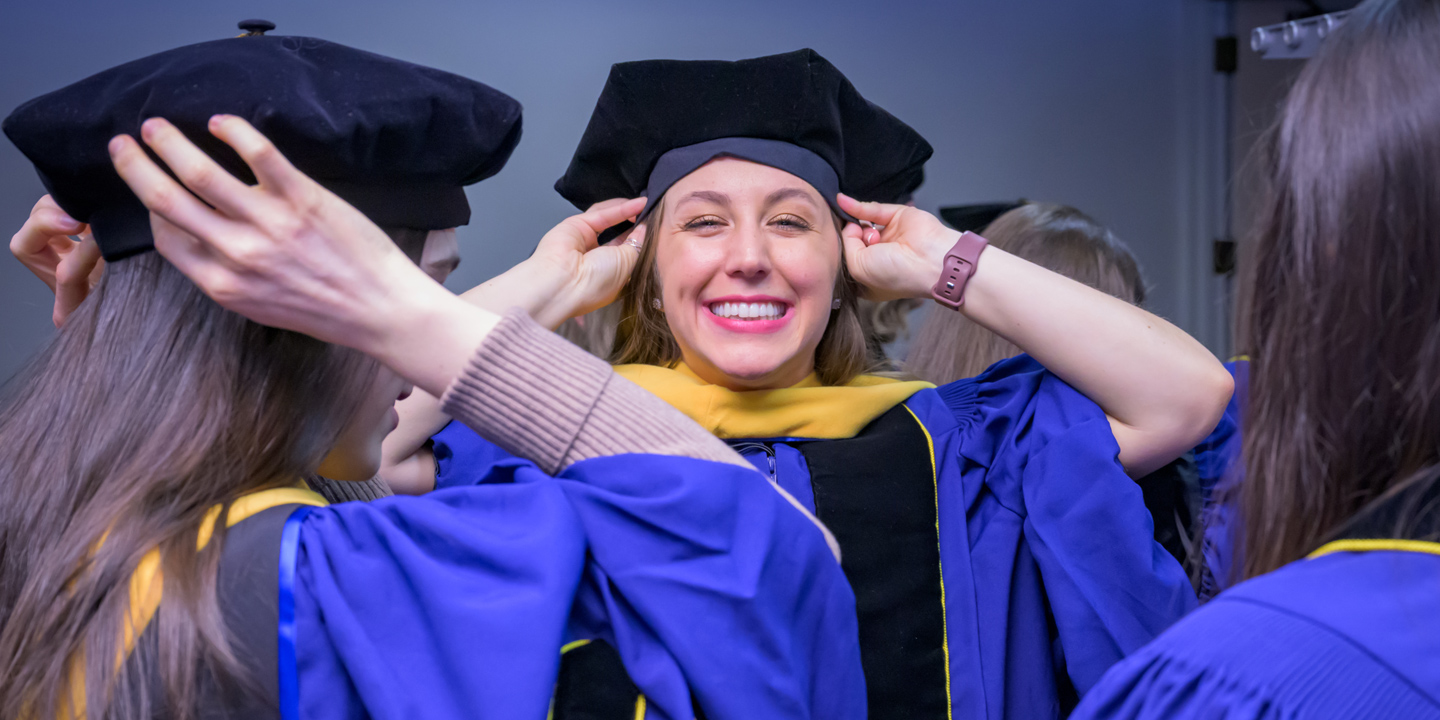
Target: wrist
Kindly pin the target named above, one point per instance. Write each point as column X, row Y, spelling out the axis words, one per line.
column 428, row 337
column 957, row 266
column 527, row 285
column 932, row 262
column 549, row 294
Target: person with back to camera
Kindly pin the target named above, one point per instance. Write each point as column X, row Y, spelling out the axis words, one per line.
column 949, row 347
column 1000, row 555
column 154, row 413
column 1337, row 517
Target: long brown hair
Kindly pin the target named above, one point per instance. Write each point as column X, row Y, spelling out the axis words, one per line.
column 1057, row 237
column 151, row 405
column 1343, row 310
column 644, row 336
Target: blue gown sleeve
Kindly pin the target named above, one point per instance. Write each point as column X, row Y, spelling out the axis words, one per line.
column 1109, row 586
column 456, row 604
column 711, row 584
column 463, row 458
column 450, row 605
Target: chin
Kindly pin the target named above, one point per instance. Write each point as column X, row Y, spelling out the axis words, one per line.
column 350, row 467
column 749, row 370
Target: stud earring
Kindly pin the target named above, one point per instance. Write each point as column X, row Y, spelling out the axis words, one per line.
column 835, row 304
column 655, row 303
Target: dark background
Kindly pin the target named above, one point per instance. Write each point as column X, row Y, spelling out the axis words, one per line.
column 1113, row 106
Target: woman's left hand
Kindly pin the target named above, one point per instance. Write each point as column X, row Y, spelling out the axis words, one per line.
column 70, row 268
column 900, row 259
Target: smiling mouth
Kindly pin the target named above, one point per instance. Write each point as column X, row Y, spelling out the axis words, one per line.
column 748, row 311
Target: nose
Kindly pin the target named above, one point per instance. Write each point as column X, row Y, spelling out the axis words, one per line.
column 405, row 392
column 749, row 256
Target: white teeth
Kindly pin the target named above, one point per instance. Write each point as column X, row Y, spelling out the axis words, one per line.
column 749, row 311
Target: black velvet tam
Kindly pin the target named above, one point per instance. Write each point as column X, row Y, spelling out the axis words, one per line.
column 651, row 107
column 975, row 218
column 398, row 141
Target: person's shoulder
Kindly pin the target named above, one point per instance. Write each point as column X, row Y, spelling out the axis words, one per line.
column 1349, row 597
column 1344, row 636
column 1385, row 602
column 1006, row 385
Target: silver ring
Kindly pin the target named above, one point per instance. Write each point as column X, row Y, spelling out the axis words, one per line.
column 633, row 242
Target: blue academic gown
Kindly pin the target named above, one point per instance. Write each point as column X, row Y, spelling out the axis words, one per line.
column 1049, row 566
column 1217, row 458
column 456, row 604
column 1350, row 635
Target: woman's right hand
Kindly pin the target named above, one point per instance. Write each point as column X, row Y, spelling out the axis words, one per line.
column 69, row 268
column 569, row 274
column 290, row 254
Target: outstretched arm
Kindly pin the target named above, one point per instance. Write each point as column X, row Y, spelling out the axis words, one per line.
column 569, row 274
column 289, row 254
column 1161, row 389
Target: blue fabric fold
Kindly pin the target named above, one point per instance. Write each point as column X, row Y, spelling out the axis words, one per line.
column 456, row 604
column 1051, row 572
column 1222, row 470
column 1039, row 524
column 1351, row 635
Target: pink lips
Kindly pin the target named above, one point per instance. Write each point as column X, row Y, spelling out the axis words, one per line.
column 741, row 325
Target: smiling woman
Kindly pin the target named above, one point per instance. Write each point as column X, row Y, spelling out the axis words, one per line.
column 741, row 318
column 1000, row 556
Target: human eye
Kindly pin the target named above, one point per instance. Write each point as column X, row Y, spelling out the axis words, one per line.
column 791, row 222
column 703, row 223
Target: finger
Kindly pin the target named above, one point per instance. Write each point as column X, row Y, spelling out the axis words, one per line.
column 854, row 247
column 72, row 279
column 162, row 195
column 877, row 213
column 603, row 204
column 99, row 267
column 45, row 222
column 191, row 256
column 587, row 226
column 599, row 219
column 201, row 174
column 265, row 160
column 635, row 238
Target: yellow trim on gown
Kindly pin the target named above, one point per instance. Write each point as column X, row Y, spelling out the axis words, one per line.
column 147, row 584
column 804, row 410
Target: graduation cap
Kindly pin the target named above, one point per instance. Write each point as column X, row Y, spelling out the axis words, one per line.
column 659, row 120
column 975, row 218
column 398, row 141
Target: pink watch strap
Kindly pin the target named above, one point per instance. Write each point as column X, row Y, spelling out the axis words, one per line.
column 959, row 265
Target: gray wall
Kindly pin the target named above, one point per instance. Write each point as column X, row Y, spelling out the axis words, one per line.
column 1089, row 103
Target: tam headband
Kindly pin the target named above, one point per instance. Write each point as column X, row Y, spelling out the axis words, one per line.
column 806, row 165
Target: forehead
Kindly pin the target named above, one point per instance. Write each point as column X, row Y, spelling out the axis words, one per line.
column 742, row 180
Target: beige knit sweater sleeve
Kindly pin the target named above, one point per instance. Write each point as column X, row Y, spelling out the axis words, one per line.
column 539, row 397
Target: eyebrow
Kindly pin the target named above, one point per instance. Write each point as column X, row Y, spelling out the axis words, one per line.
column 788, row 194
column 718, row 198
